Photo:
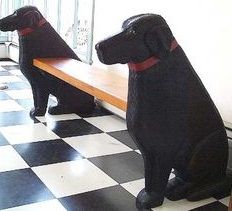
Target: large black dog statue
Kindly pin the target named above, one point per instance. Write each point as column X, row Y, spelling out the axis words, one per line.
column 38, row 39
column 170, row 115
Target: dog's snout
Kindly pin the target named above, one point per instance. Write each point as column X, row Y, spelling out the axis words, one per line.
column 97, row 46
column 8, row 23
column 2, row 25
column 99, row 50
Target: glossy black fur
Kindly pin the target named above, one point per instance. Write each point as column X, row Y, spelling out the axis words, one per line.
column 170, row 115
column 45, row 42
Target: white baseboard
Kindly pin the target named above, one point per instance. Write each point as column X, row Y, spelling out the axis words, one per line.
column 13, row 52
column 111, row 108
column 228, row 124
column 3, row 51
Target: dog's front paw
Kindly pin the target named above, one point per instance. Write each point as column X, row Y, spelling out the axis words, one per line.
column 147, row 200
column 58, row 109
column 37, row 112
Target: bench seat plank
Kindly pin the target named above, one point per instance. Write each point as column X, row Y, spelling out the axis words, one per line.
column 105, row 85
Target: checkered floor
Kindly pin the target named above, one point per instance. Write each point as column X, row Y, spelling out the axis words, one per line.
column 69, row 162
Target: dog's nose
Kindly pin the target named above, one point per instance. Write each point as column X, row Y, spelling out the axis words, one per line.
column 98, row 46
column 0, row 24
column 99, row 50
column 3, row 25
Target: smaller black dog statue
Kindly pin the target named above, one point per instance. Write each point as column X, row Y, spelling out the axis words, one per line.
column 170, row 115
column 38, row 39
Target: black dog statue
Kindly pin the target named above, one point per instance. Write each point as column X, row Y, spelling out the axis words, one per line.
column 170, row 115
column 38, row 39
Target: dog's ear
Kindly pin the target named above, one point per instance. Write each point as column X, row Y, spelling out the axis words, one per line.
column 159, row 40
column 33, row 18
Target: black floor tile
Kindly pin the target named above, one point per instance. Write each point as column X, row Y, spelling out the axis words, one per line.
column 75, row 127
column 98, row 111
column 15, row 118
column 47, row 152
column 10, row 67
column 108, row 199
column 21, row 187
column 124, row 137
column 215, row 206
column 6, row 59
column 3, row 141
column 123, row 167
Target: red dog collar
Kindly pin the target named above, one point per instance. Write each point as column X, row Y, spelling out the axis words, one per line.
column 150, row 61
column 29, row 30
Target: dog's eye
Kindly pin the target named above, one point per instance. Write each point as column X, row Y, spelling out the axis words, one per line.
column 130, row 34
column 132, row 31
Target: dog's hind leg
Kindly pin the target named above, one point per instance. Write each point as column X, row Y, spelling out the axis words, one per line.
column 205, row 175
column 211, row 158
column 71, row 100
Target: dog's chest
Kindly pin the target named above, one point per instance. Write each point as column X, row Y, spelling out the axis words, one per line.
column 145, row 86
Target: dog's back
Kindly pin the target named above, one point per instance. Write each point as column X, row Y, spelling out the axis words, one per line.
column 45, row 42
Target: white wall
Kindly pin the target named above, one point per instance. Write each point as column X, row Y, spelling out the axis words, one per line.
column 202, row 27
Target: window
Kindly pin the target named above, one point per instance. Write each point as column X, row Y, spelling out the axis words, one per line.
column 72, row 19
column 51, row 14
column 4, row 5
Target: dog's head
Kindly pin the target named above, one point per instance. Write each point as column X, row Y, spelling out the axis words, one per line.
column 25, row 17
column 142, row 36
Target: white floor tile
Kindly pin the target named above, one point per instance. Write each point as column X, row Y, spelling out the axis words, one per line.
column 96, row 145
column 16, row 72
column 53, row 98
column 53, row 205
column 108, row 123
column 49, row 118
column 169, row 206
column 2, row 69
column 171, row 176
column 10, row 159
column 10, row 105
column 73, row 177
column 8, row 79
column 27, row 133
column 229, row 133
column 225, row 200
column 138, row 151
column 20, row 94
column 5, row 63
column 134, row 187
column 184, row 205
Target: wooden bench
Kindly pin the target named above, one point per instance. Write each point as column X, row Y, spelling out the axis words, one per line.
column 103, row 84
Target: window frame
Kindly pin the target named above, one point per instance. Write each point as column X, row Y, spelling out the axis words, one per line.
column 10, row 5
